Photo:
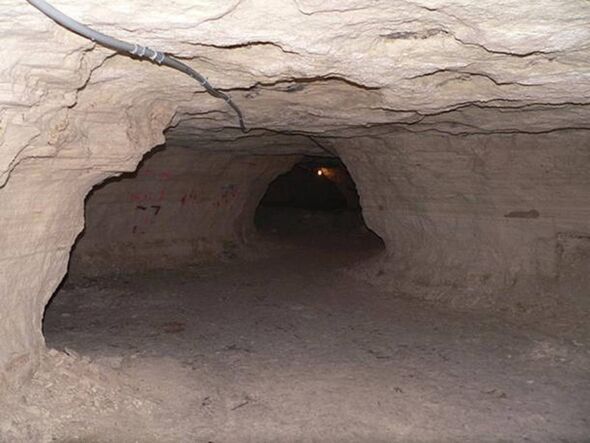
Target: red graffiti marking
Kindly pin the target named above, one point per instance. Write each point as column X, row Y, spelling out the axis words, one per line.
column 135, row 197
column 188, row 198
column 228, row 193
column 159, row 175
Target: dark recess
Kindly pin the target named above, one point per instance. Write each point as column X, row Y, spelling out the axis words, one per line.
column 318, row 193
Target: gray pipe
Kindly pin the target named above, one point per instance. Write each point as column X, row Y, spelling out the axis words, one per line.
column 134, row 50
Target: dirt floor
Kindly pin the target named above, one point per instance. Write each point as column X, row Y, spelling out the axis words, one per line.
column 289, row 349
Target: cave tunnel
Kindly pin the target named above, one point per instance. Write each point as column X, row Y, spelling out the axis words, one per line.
column 364, row 222
column 224, row 266
column 316, row 199
column 185, row 209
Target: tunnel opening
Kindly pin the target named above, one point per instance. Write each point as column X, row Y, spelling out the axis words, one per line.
column 312, row 203
column 178, row 271
column 185, row 206
column 184, row 210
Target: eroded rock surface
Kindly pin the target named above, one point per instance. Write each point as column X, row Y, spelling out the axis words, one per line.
column 182, row 206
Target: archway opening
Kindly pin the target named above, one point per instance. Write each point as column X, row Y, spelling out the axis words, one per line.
column 187, row 212
column 316, row 203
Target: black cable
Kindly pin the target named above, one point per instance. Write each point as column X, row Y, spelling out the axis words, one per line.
column 134, row 50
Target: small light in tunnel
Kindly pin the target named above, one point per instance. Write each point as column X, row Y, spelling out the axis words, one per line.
column 324, row 172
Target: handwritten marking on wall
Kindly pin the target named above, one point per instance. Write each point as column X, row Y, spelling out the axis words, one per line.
column 163, row 175
column 137, row 197
column 228, row 193
column 146, row 217
column 189, row 197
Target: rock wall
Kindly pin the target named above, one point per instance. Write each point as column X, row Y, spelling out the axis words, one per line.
column 181, row 206
column 486, row 221
column 36, row 238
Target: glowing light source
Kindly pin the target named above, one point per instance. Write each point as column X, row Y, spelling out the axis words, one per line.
column 320, row 172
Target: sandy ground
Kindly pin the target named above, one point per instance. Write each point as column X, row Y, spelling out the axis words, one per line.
column 289, row 349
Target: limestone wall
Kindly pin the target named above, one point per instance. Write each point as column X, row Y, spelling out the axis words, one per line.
column 181, row 206
column 478, row 220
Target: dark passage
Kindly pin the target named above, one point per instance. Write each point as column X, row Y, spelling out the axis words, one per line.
column 317, row 196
